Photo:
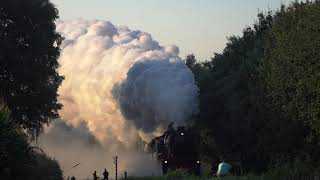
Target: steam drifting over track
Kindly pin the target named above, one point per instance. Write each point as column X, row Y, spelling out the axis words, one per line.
column 121, row 88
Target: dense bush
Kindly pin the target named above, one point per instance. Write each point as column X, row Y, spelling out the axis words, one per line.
column 18, row 160
column 15, row 160
column 45, row 168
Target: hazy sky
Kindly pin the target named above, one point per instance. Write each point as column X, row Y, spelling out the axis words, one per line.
column 195, row 26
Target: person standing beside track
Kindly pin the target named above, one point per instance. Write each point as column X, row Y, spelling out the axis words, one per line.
column 105, row 174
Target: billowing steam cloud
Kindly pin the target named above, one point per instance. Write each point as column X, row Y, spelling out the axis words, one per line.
column 121, row 84
column 114, row 74
column 157, row 92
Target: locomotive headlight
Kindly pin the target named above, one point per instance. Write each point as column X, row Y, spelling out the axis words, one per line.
column 182, row 134
column 198, row 162
column 165, row 162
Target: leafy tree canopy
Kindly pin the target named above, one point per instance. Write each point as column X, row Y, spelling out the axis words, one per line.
column 291, row 70
column 29, row 49
column 259, row 98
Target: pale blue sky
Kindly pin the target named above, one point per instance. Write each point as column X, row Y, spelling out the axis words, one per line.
column 195, row 26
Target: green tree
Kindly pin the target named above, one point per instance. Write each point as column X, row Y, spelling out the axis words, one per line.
column 292, row 68
column 259, row 98
column 231, row 111
column 236, row 116
column 29, row 49
column 291, row 72
column 18, row 160
column 13, row 148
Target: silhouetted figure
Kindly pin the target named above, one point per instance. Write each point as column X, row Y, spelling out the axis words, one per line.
column 95, row 177
column 73, row 178
column 105, row 175
column 125, row 175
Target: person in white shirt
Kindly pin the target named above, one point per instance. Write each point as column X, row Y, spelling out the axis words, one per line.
column 223, row 169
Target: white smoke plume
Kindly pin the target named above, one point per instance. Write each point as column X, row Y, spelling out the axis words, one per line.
column 121, row 83
column 155, row 93
column 113, row 74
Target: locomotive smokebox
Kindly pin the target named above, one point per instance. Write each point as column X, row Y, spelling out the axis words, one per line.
column 177, row 148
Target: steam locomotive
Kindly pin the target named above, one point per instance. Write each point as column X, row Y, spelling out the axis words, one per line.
column 176, row 148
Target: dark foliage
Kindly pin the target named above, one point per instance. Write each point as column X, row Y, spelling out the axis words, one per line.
column 18, row 160
column 230, row 99
column 259, row 98
column 29, row 48
column 291, row 74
